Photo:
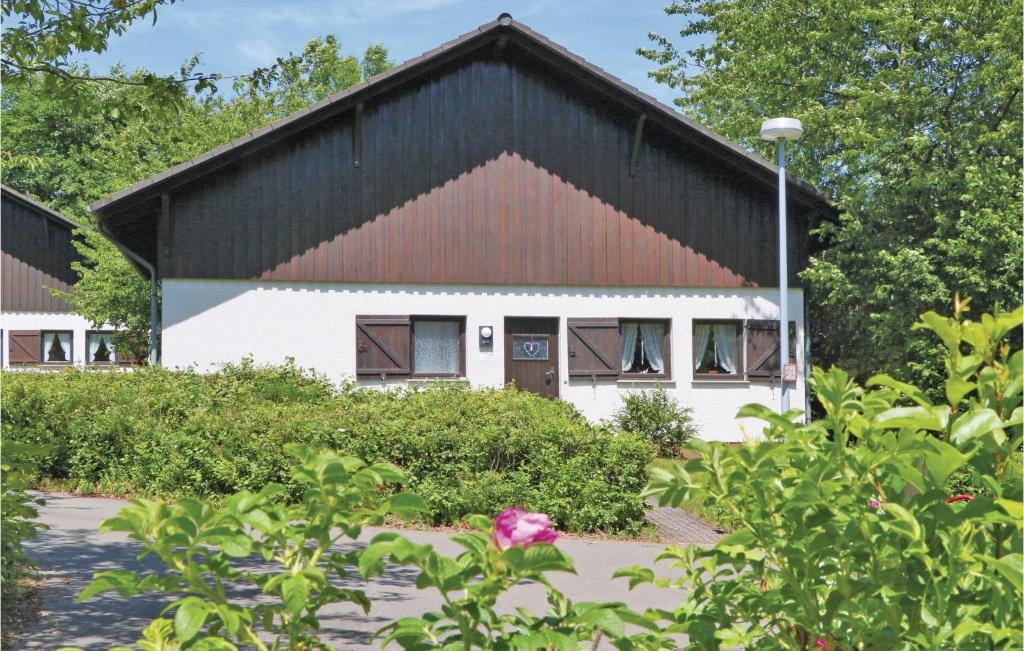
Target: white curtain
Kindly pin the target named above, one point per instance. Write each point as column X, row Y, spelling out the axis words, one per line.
column 701, row 336
column 651, row 334
column 436, row 346
column 725, row 347
column 628, row 345
column 50, row 350
column 94, row 345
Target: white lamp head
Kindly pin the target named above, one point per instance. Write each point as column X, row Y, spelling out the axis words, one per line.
column 781, row 129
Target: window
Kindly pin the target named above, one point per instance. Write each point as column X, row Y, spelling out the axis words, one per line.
column 717, row 349
column 437, row 346
column 526, row 347
column 99, row 348
column 56, row 347
column 619, row 348
column 643, row 347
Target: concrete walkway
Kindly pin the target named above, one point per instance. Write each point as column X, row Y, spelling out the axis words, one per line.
column 73, row 549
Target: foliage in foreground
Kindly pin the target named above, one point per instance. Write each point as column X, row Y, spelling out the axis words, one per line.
column 848, row 535
column 847, row 540
column 659, row 418
column 17, row 511
column 169, row 433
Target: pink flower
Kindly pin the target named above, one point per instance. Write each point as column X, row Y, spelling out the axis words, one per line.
column 873, row 503
column 517, row 527
column 963, row 497
column 820, row 643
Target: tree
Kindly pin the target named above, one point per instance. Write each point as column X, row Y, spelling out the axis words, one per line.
column 40, row 37
column 913, row 123
column 69, row 158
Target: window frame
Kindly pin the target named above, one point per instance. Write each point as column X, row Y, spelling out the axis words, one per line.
column 741, row 351
column 113, row 354
column 666, row 350
column 42, row 347
column 461, row 373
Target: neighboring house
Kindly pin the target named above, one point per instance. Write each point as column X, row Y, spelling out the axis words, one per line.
column 37, row 252
column 496, row 210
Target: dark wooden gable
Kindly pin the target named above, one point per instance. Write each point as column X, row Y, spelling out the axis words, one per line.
column 37, row 253
column 498, row 165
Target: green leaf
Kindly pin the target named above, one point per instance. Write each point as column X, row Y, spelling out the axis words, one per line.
column 1013, row 508
column 294, row 593
column 944, row 461
column 607, row 620
column 974, row 423
column 927, row 418
column 190, row 617
column 407, row 505
column 1010, row 567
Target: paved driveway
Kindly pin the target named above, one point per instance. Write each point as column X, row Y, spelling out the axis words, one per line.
column 73, row 549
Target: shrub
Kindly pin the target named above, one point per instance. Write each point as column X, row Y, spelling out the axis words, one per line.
column 184, row 434
column 658, row 418
column 17, row 512
column 848, row 537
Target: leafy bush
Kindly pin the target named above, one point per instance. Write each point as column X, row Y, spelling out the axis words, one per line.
column 849, row 538
column 17, row 513
column 178, row 433
column 658, row 418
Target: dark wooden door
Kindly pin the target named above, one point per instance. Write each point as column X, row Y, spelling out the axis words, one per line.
column 531, row 354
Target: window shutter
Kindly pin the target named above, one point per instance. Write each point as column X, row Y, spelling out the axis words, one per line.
column 763, row 347
column 382, row 345
column 594, row 348
column 25, row 347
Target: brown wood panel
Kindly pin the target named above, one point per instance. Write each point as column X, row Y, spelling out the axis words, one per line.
column 493, row 170
column 538, row 375
column 36, row 253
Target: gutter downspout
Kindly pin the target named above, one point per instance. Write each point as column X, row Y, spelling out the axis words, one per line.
column 154, row 327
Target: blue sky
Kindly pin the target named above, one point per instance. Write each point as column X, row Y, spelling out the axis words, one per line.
column 235, row 36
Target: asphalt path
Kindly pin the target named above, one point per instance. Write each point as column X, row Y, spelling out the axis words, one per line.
column 73, row 549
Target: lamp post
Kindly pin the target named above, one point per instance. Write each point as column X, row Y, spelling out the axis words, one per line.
column 779, row 130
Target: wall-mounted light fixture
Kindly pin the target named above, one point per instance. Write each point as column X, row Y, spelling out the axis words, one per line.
column 486, row 336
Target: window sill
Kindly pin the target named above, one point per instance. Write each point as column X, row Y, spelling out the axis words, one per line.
column 644, row 380
column 433, row 380
column 724, row 380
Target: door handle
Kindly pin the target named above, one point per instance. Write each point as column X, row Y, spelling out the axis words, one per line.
column 549, row 374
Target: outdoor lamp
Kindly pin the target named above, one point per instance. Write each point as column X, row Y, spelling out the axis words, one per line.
column 486, row 335
column 779, row 130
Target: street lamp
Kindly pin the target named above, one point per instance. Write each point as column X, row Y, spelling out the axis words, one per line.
column 779, row 130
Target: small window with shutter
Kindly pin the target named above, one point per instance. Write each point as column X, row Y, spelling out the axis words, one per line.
column 717, row 349
column 56, row 347
column 438, row 346
column 382, row 346
column 24, row 347
column 763, row 348
column 619, row 348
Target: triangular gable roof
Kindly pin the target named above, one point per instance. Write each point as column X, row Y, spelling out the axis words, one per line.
column 501, row 28
column 38, row 207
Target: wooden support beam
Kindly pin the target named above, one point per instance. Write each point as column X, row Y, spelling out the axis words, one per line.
column 166, row 233
column 357, row 137
column 500, row 43
column 638, row 135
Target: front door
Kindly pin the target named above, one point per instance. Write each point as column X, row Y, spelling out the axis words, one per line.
column 531, row 355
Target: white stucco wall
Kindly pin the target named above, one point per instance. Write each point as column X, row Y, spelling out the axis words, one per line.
column 47, row 321
column 210, row 322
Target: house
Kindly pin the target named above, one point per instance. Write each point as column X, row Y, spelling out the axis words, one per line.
column 38, row 328
column 495, row 210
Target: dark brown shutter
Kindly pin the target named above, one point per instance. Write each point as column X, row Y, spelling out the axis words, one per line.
column 25, row 347
column 382, row 345
column 594, row 347
column 763, row 347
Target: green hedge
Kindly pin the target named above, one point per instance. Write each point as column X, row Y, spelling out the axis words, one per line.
column 177, row 433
